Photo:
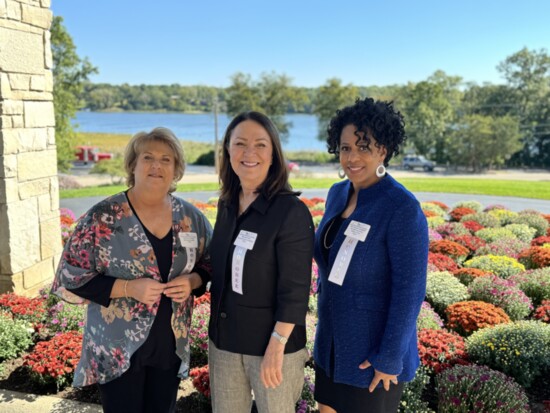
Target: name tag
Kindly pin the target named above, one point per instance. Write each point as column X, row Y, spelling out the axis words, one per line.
column 355, row 232
column 188, row 239
column 246, row 239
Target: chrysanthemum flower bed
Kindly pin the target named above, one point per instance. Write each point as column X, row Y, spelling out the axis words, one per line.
column 465, row 317
column 54, row 361
column 467, row 348
column 479, row 389
column 440, row 349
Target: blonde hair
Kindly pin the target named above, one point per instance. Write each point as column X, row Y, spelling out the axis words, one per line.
column 138, row 141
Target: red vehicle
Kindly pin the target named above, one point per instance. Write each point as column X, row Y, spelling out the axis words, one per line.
column 87, row 154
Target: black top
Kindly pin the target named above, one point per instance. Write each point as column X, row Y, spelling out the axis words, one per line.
column 331, row 230
column 276, row 274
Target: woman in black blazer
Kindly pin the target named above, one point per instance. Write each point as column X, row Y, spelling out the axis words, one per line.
column 261, row 250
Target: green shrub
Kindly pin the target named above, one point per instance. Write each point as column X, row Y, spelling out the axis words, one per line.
column 15, row 337
column 522, row 232
column 318, row 207
column 520, row 350
column 428, row 318
column 499, row 265
column 483, row 218
column 444, row 289
column 510, row 247
column 113, row 167
column 505, row 294
column 306, row 403
column 198, row 335
column 495, row 234
column 64, row 317
column 311, row 157
column 479, row 389
column 534, row 220
column 434, row 222
column 452, row 228
column 428, row 206
column 311, row 328
column 504, row 216
column 206, row 159
column 475, row 205
column 535, row 284
column 411, row 400
column 194, row 150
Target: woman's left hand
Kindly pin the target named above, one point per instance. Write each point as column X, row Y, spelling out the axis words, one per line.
column 271, row 369
column 386, row 379
column 179, row 289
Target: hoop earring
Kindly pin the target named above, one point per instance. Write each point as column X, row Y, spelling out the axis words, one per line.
column 341, row 173
column 381, row 170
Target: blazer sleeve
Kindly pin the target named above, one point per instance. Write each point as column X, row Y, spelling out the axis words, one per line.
column 294, row 252
column 407, row 243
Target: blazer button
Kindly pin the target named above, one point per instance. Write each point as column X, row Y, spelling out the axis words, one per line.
column 223, row 315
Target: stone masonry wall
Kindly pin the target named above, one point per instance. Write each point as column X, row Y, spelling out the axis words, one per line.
column 30, row 241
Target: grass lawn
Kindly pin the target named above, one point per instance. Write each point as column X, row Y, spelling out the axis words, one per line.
column 522, row 189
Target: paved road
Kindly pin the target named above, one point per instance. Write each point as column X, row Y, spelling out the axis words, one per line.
column 81, row 205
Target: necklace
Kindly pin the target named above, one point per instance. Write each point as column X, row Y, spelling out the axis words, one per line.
column 326, row 233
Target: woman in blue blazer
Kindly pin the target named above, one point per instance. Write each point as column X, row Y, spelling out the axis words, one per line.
column 371, row 248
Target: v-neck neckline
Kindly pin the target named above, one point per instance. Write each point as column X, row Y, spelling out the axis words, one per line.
column 143, row 226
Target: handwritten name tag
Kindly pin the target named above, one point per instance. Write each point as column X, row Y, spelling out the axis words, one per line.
column 188, row 239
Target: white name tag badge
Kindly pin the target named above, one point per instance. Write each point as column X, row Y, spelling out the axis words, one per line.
column 357, row 230
column 188, row 239
column 246, row 239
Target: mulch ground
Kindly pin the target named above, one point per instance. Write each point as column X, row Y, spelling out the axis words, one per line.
column 13, row 376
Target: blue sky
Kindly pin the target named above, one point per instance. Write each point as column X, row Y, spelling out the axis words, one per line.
column 361, row 42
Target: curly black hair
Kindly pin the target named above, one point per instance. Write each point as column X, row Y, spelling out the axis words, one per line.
column 377, row 118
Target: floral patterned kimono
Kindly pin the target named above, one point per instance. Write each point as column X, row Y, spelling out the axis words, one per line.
column 109, row 240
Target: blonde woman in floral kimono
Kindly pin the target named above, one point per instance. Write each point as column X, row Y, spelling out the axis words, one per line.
column 136, row 259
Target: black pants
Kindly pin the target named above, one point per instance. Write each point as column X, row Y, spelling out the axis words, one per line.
column 148, row 390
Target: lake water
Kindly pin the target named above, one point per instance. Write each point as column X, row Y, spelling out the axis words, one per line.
column 194, row 127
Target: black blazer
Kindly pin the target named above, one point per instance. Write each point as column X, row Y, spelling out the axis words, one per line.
column 276, row 274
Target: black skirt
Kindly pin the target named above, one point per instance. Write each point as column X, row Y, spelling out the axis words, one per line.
column 350, row 399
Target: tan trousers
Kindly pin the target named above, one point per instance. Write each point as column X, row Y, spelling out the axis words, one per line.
column 234, row 377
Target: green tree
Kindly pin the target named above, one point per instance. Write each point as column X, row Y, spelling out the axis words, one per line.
column 113, row 167
column 528, row 75
column 430, row 108
column 243, row 95
column 483, row 141
column 69, row 74
column 272, row 94
column 331, row 97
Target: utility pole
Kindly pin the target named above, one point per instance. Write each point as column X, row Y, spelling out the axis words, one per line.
column 216, row 151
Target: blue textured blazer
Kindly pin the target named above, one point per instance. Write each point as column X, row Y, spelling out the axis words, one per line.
column 372, row 316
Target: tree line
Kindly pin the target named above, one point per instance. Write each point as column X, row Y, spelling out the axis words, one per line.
column 449, row 120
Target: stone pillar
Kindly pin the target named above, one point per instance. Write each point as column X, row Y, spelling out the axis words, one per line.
column 30, row 237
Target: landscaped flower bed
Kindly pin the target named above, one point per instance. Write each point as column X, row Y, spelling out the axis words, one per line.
column 484, row 332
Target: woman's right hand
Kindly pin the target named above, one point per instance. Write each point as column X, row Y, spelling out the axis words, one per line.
column 145, row 290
